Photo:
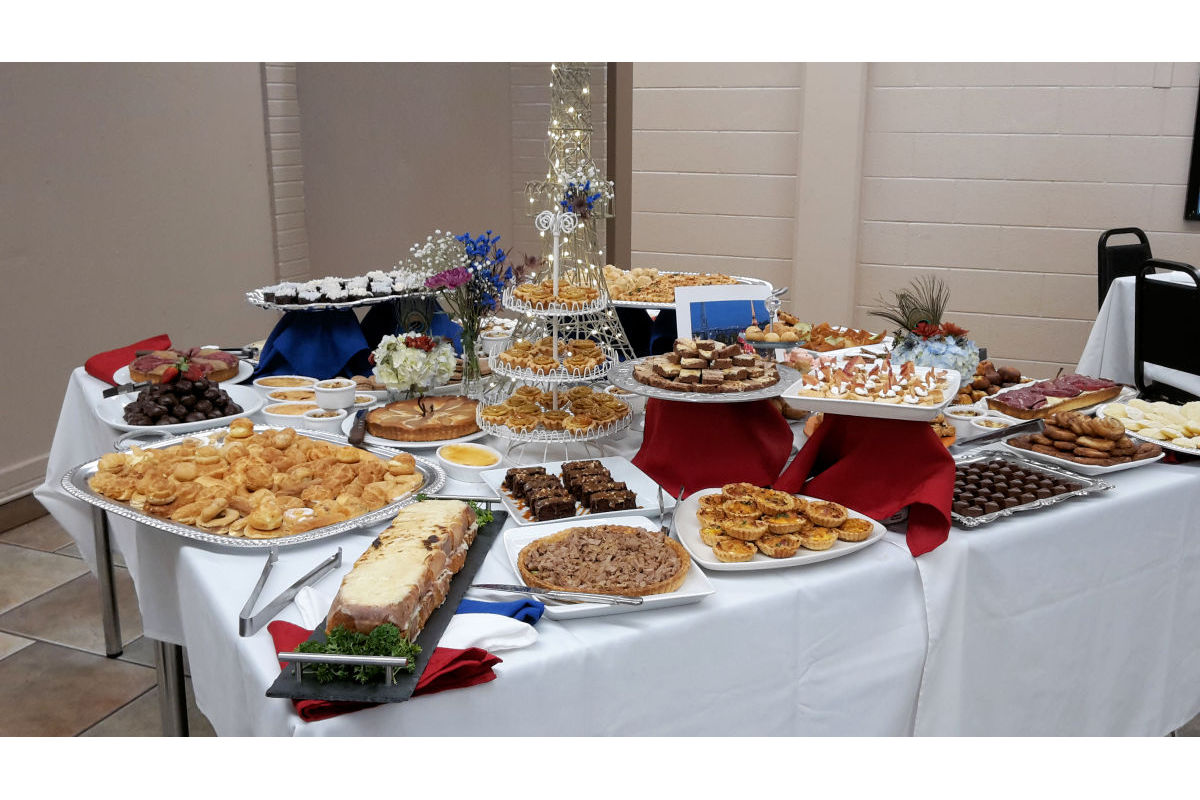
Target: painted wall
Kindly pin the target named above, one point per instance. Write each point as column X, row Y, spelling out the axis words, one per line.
column 393, row 151
column 715, row 151
column 133, row 201
column 997, row 177
column 1000, row 178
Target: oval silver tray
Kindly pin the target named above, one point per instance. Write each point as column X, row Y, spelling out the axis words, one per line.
column 75, row 483
column 255, row 298
column 744, row 281
column 990, row 453
column 621, row 376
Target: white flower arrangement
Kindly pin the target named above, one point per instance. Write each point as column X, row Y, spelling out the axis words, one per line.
column 439, row 252
column 413, row 363
column 589, row 175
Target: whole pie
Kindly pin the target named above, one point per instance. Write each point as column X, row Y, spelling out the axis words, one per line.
column 608, row 559
column 427, row 419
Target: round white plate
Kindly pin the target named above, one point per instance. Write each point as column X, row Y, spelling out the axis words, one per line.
column 1082, row 469
column 245, row 370
column 111, row 410
column 687, row 527
column 381, row 442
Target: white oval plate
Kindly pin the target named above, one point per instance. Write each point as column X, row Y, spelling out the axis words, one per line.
column 245, row 370
column 1082, row 469
column 687, row 527
column 403, row 445
column 111, row 411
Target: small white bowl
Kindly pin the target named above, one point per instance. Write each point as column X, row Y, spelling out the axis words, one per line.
column 335, row 393
column 324, row 419
column 299, row 396
column 961, row 418
column 295, row 419
column 990, row 423
column 271, row 383
column 364, row 400
column 464, row 472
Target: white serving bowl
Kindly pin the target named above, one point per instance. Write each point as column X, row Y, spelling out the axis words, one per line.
column 281, row 396
column 464, row 472
column 991, row 422
column 263, row 384
column 324, row 419
column 961, row 417
column 364, row 399
column 272, row 414
column 335, row 393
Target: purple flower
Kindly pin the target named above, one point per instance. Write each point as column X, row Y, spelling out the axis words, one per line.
column 449, row 279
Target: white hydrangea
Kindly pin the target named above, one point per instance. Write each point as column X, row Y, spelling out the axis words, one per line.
column 405, row 369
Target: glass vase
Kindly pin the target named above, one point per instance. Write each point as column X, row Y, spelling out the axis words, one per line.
column 472, row 377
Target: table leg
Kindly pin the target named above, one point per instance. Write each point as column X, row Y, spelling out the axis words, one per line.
column 172, row 704
column 108, row 586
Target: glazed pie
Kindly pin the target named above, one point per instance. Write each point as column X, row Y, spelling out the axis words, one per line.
column 426, row 420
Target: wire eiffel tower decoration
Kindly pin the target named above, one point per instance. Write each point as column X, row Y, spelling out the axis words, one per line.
column 569, row 157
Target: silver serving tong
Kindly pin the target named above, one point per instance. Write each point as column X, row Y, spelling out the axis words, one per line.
column 666, row 529
column 124, row 388
column 248, row 624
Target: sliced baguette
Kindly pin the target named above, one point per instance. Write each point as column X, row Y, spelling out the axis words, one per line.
column 1054, row 404
column 405, row 574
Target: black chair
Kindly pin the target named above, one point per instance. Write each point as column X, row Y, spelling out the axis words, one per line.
column 1166, row 327
column 1120, row 260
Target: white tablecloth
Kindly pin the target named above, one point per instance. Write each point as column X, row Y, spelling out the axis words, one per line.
column 1077, row 619
column 1109, row 349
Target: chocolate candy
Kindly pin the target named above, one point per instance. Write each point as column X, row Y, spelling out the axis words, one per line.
column 989, row 487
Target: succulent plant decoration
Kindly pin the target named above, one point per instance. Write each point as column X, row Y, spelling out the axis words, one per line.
column 921, row 336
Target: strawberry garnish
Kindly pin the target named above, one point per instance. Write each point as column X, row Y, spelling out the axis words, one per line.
column 170, row 374
column 194, row 372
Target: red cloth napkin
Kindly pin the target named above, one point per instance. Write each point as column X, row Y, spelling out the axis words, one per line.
column 877, row 467
column 103, row 365
column 698, row 445
column 448, row 668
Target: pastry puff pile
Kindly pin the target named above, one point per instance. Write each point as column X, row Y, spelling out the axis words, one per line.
column 255, row 485
column 879, row 382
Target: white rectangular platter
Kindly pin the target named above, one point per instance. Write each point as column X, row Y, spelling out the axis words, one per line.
column 1075, row 466
column 621, row 469
column 871, row 408
column 687, row 527
column 695, row 588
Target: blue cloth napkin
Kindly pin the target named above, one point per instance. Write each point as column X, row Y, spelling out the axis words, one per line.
column 523, row 610
column 319, row 344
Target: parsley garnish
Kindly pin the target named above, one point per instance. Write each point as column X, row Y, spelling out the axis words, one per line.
column 483, row 515
column 383, row 641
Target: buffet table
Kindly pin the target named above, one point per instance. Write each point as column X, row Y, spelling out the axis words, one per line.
column 1109, row 349
column 1075, row 619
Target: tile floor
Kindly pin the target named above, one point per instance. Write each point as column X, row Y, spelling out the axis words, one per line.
column 54, row 677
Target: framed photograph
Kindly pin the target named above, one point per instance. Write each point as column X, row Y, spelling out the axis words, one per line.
column 719, row 312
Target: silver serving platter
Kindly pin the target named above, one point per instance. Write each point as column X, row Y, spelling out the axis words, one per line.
column 988, row 453
column 255, row 298
column 75, row 483
column 621, row 376
column 744, row 281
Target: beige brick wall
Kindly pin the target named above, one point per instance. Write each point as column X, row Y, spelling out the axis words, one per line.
column 530, row 93
column 286, row 164
column 1000, row 177
column 715, row 150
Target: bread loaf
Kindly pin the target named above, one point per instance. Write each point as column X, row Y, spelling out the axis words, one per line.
column 405, row 573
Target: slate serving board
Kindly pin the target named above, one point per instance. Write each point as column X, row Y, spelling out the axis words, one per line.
column 307, row 688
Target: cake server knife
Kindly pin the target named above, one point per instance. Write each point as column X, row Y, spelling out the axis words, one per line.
column 573, row 597
column 124, row 388
column 358, row 430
